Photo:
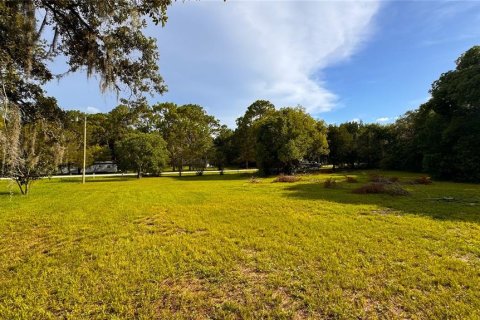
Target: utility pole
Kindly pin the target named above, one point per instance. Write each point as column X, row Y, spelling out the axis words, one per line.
column 84, row 149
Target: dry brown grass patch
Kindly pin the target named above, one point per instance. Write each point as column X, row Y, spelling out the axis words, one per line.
column 392, row 189
column 287, row 178
column 423, row 180
column 254, row 179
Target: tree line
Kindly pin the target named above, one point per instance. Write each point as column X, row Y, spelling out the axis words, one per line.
column 441, row 137
column 106, row 38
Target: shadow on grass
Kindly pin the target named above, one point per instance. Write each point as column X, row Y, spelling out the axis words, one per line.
column 423, row 201
column 188, row 177
column 93, row 180
column 214, row 177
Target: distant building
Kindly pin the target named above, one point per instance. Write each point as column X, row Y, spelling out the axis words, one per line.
column 102, row 167
column 96, row 167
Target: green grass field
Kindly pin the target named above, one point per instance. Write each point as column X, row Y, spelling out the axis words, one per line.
column 221, row 247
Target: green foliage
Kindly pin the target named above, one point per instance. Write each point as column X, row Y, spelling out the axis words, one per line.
column 247, row 126
column 188, row 131
column 73, row 130
column 371, row 144
column 404, row 149
column 32, row 151
column 142, row 152
column 32, row 144
column 285, row 137
column 223, row 151
column 105, row 37
column 443, row 136
column 340, row 143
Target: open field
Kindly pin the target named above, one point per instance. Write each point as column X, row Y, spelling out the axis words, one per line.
column 222, row 247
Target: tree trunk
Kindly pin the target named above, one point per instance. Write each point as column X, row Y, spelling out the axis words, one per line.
column 23, row 187
column 180, row 168
column 139, row 173
column 3, row 163
column 246, row 164
column 4, row 158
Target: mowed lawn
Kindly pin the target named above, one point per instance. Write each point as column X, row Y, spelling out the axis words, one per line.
column 222, row 247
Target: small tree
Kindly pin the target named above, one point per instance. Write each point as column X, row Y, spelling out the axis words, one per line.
column 33, row 150
column 142, row 152
column 245, row 137
column 285, row 137
column 189, row 132
column 222, row 152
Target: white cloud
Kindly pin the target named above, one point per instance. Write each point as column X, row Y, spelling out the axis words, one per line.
column 383, row 119
column 93, row 110
column 226, row 55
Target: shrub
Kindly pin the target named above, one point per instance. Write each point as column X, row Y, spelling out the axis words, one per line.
column 423, row 180
column 373, row 187
column 285, row 178
column 384, row 180
column 351, row 179
column 330, row 183
column 396, row 190
column 384, row 188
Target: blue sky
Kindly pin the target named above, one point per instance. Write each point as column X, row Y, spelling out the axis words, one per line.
column 342, row 61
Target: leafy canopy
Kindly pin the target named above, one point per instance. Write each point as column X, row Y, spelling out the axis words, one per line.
column 142, row 152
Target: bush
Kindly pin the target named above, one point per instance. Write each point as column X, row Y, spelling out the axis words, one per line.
column 392, row 189
column 330, row 183
column 423, row 180
column 351, row 179
column 285, row 178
